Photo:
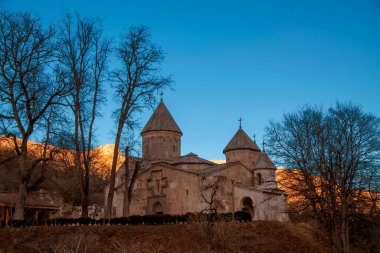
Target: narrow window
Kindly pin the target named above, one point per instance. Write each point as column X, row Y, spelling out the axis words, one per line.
column 158, row 186
column 259, row 179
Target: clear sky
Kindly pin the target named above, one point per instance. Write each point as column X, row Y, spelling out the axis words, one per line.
column 249, row 59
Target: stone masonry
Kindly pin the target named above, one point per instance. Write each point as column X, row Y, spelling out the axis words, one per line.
column 172, row 184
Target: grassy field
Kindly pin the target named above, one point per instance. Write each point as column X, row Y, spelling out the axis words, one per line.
column 258, row 236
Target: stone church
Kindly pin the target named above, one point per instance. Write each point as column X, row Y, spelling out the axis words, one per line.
column 171, row 183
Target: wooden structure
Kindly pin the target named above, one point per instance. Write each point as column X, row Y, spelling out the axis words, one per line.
column 36, row 210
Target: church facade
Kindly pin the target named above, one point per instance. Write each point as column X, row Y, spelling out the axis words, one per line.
column 169, row 183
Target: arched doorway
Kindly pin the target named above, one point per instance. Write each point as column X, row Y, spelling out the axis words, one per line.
column 247, row 205
column 158, row 208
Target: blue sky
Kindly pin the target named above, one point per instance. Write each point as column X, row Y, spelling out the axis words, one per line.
column 249, row 59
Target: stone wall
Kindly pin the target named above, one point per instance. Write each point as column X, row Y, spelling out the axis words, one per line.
column 167, row 189
column 176, row 190
column 246, row 156
column 161, row 145
column 267, row 205
column 268, row 178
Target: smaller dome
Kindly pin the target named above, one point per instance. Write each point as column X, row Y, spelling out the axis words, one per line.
column 264, row 162
column 241, row 141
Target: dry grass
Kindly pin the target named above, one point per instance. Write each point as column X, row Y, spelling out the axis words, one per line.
column 227, row 237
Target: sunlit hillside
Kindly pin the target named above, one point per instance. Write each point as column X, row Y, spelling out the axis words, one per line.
column 102, row 155
column 218, row 161
column 292, row 183
column 60, row 174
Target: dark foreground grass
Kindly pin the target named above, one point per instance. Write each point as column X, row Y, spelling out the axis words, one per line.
column 259, row 236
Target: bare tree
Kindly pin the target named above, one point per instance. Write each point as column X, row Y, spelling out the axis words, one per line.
column 210, row 188
column 82, row 56
column 334, row 155
column 132, row 168
column 28, row 89
column 129, row 182
column 136, row 83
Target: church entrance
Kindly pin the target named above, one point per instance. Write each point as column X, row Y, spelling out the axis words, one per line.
column 247, row 205
column 158, row 208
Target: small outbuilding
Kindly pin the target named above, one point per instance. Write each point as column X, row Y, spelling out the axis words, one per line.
column 36, row 210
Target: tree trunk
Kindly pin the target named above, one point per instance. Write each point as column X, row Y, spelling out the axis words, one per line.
column 126, row 184
column 85, row 191
column 20, row 202
column 345, row 235
column 23, row 182
column 336, row 238
column 126, row 205
column 111, row 189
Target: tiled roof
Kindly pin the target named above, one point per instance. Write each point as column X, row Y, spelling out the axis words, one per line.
column 9, row 199
column 164, row 164
column 218, row 167
column 241, row 141
column 264, row 162
column 161, row 120
column 191, row 158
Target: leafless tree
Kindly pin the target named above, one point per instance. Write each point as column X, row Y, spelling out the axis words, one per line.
column 334, row 155
column 132, row 168
column 28, row 90
column 210, row 188
column 136, row 83
column 129, row 181
column 82, row 55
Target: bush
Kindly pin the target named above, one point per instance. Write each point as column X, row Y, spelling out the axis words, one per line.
column 84, row 221
column 135, row 220
column 138, row 220
column 119, row 221
column 17, row 223
column 60, row 221
column 242, row 216
column 225, row 217
column 102, row 221
column 365, row 232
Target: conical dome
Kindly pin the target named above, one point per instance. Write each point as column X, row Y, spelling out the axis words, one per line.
column 264, row 162
column 241, row 141
column 161, row 120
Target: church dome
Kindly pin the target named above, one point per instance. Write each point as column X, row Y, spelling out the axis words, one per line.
column 161, row 120
column 241, row 141
column 264, row 162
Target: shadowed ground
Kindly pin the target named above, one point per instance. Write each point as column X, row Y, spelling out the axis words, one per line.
column 257, row 236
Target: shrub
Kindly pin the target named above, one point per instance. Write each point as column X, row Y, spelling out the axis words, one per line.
column 225, row 217
column 61, row 221
column 17, row 223
column 84, row 220
column 242, row 216
column 102, row 221
column 135, row 220
column 365, row 232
